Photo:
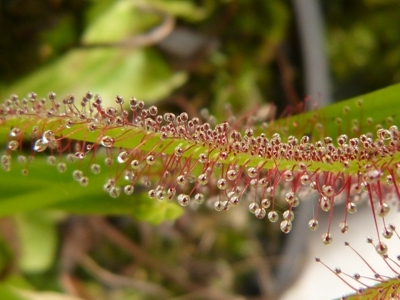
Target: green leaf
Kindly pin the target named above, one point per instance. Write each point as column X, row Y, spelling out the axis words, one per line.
column 31, row 295
column 373, row 292
column 377, row 108
column 108, row 71
column 119, row 21
column 45, row 187
column 9, row 293
column 38, row 240
column 184, row 9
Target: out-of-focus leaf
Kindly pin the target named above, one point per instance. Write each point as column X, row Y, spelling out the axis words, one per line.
column 107, row 70
column 121, row 20
column 31, row 295
column 45, row 187
column 9, row 293
column 390, row 286
column 184, row 9
column 38, row 240
column 58, row 38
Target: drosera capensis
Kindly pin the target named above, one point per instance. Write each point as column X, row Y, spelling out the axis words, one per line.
column 347, row 153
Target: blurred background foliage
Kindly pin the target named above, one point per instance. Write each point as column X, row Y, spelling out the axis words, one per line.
column 184, row 55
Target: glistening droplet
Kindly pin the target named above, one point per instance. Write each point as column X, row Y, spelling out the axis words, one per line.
column 40, row 146
column 107, row 141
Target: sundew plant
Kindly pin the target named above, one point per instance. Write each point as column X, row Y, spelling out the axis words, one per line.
column 347, row 153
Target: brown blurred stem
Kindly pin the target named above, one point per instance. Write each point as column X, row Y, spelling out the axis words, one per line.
column 115, row 280
column 177, row 276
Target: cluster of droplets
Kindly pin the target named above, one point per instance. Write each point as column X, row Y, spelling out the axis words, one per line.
column 384, row 286
column 191, row 161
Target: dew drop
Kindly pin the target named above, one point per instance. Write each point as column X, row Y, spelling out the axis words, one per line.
column 234, row 200
column 108, row 185
column 178, row 151
column 114, row 191
column 202, row 158
column 288, row 215
column 135, row 164
column 265, row 203
column 40, row 146
column 286, row 226
column 273, row 216
column 70, row 158
column 199, row 198
column 231, row 174
column 305, row 179
column 69, row 123
column 51, row 160
column 327, row 190
column 13, row 145
column 181, row 180
column 15, row 132
column 389, row 179
column 218, row 206
column 107, row 141
column 22, row 159
column 327, row 238
column 296, row 202
column 384, row 134
column 128, row 189
column 123, row 157
column 152, row 194
column 150, row 159
column 84, row 181
column 383, row 209
column 253, row 183
column 95, row 168
column 387, row 233
column 252, row 172
column 260, row 213
column 325, row 204
column 253, row 206
column 108, row 161
column 344, row 227
column 80, row 155
column 226, row 205
column 5, row 159
column 77, row 175
column 160, row 194
column 221, row 184
column 313, row 224
column 203, row 179
column 92, row 126
column 351, row 207
column 62, row 167
column 289, row 197
column 223, row 155
column 288, row 175
column 48, row 136
column 171, row 193
column 381, row 248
